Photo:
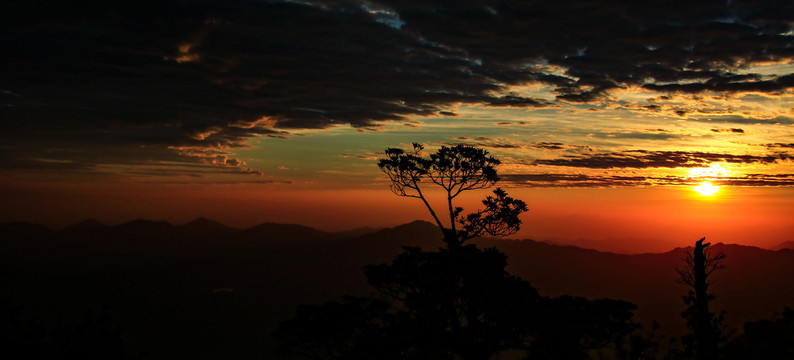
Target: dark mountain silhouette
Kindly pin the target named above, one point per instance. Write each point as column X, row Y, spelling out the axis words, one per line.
column 356, row 232
column 17, row 236
column 282, row 232
column 204, row 226
column 160, row 283
column 415, row 233
column 85, row 225
column 285, row 234
column 143, row 225
column 23, row 230
column 784, row 245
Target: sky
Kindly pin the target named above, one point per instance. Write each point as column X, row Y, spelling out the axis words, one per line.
column 607, row 116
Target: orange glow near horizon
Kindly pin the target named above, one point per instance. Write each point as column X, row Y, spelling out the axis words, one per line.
column 624, row 220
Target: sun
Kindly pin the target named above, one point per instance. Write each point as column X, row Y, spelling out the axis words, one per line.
column 702, row 176
column 706, row 188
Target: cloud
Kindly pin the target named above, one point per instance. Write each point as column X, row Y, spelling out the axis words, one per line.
column 263, row 182
column 581, row 180
column 467, row 138
column 514, row 123
column 216, row 157
column 131, row 81
column 481, row 142
column 517, row 102
column 546, row 145
column 736, row 119
column 642, row 159
column 729, row 83
column 730, row 130
column 549, row 145
column 548, row 180
column 360, row 156
column 649, row 134
column 781, row 145
column 500, row 143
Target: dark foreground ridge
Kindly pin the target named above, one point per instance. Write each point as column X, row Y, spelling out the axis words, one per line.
column 205, row 290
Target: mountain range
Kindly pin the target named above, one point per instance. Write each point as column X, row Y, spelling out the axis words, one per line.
column 209, row 291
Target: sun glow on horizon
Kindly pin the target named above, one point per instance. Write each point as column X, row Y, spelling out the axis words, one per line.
column 703, row 175
column 706, row 188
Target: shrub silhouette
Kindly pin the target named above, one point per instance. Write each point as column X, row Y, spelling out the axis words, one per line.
column 457, row 302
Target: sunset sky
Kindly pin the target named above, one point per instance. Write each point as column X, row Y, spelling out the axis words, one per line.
column 606, row 114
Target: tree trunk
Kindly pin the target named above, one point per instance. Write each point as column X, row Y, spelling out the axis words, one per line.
column 705, row 334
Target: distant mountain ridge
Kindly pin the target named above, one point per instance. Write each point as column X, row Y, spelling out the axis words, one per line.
column 24, row 228
column 202, row 226
column 85, row 225
column 784, row 245
column 199, row 226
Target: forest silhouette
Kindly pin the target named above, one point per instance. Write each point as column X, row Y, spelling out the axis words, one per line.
column 152, row 290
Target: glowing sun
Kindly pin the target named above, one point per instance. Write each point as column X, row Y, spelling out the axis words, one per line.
column 706, row 188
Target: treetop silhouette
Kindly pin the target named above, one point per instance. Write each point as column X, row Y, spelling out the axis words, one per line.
column 455, row 169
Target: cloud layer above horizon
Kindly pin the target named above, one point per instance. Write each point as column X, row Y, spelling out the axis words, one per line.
column 183, row 88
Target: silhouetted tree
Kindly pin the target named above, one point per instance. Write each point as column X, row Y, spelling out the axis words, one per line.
column 455, row 169
column 354, row 328
column 458, row 302
column 568, row 327
column 705, row 327
column 95, row 336
column 768, row 339
column 640, row 345
column 453, row 304
column 446, row 304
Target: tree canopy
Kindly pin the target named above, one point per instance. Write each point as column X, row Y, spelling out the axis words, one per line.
column 455, row 169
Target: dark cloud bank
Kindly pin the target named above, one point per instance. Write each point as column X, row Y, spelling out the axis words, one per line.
column 642, row 159
column 92, row 82
column 603, row 181
column 632, row 160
